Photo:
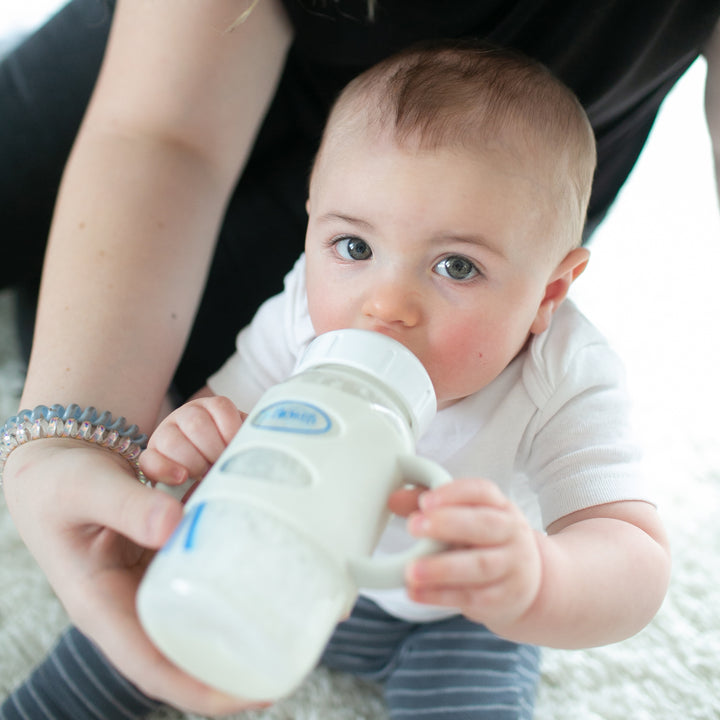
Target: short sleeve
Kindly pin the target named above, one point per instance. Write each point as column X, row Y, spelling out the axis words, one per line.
column 268, row 348
column 580, row 449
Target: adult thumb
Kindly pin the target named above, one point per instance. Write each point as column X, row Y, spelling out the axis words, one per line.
column 145, row 515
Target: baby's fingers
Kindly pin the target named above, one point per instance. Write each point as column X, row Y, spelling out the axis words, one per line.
column 174, row 457
column 490, row 586
column 460, row 579
column 459, row 568
column 465, row 491
column 190, row 440
column 161, row 469
column 462, row 597
column 405, row 501
column 465, row 525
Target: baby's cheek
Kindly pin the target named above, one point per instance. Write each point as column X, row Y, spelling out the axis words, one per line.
column 323, row 317
column 329, row 304
column 458, row 365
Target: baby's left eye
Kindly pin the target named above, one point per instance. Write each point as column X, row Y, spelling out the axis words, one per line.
column 456, row 267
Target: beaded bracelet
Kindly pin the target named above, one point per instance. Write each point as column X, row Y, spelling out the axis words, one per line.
column 75, row 423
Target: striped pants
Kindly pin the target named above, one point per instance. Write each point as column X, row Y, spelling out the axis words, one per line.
column 447, row 670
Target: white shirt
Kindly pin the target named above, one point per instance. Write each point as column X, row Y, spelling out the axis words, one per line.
column 552, row 430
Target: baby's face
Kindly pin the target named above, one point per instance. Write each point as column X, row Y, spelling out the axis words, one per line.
column 445, row 251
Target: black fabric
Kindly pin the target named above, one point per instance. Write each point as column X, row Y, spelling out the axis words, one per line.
column 45, row 84
column 44, row 87
column 620, row 56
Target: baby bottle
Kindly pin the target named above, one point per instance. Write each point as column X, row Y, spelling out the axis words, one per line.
column 278, row 538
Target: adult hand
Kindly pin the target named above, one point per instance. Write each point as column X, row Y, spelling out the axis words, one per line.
column 93, row 528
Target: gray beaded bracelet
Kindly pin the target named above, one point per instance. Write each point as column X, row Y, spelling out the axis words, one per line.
column 75, row 423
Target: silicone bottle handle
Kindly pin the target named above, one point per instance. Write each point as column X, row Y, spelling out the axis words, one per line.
column 388, row 571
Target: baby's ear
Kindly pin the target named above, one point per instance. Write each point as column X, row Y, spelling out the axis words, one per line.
column 557, row 288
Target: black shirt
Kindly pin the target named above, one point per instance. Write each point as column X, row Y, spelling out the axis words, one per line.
column 621, row 57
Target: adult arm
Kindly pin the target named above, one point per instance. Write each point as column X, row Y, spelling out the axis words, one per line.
column 170, row 124
column 174, row 114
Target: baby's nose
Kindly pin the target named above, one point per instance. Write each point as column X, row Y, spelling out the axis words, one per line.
column 393, row 303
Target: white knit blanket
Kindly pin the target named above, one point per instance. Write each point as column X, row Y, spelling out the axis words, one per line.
column 652, row 287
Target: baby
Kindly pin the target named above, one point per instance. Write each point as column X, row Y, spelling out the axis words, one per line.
column 446, row 206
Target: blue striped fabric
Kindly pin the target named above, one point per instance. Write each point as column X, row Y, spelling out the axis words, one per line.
column 75, row 682
column 447, row 670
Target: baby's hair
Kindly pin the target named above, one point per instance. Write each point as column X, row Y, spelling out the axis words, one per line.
column 478, row 97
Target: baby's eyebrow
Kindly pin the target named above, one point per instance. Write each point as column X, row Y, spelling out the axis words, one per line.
column 474, row 240
column 357, row 222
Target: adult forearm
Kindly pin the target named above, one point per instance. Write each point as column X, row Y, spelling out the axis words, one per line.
column 126, row 262
column 142, row 197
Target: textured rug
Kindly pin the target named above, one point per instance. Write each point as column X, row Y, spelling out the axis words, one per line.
column 652, row 288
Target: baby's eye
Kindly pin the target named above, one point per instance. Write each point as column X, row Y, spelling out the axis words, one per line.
column 456, row 267
column 352, row 248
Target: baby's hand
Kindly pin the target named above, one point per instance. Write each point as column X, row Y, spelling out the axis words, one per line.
column 492, row 571
column 189, row 440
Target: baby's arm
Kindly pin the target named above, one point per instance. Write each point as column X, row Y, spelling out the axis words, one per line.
column 598, row 576
column 190, row 439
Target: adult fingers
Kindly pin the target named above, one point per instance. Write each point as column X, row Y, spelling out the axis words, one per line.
column 57, row 487
column 108, row 616
column 108, row 495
